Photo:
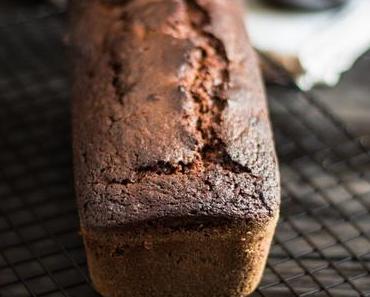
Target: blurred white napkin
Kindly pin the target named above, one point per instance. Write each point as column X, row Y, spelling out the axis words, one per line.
column 317, row 47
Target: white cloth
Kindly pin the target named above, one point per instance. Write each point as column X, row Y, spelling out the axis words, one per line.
column 325, row 43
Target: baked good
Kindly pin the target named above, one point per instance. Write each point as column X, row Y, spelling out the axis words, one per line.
column 175, row 169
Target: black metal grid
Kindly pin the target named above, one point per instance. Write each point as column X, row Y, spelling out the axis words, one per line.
column 322, row 245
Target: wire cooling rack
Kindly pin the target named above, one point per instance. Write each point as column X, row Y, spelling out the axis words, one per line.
column 322, row 244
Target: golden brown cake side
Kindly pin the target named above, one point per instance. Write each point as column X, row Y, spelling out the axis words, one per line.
column 172, row 142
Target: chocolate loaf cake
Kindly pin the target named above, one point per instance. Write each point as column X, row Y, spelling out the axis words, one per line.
column 175, row 169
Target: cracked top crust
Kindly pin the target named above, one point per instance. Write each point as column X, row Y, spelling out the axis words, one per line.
column 169, row 115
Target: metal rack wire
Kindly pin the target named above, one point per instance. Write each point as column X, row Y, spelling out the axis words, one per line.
column 322, row 245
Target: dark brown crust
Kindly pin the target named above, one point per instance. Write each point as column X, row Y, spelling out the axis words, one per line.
column 169, row 114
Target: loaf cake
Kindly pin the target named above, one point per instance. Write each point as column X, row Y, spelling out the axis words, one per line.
column 175, row 169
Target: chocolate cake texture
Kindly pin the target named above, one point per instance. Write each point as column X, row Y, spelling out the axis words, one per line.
column 175, row 170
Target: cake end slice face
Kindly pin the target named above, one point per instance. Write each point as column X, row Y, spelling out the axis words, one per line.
column 211, row 261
